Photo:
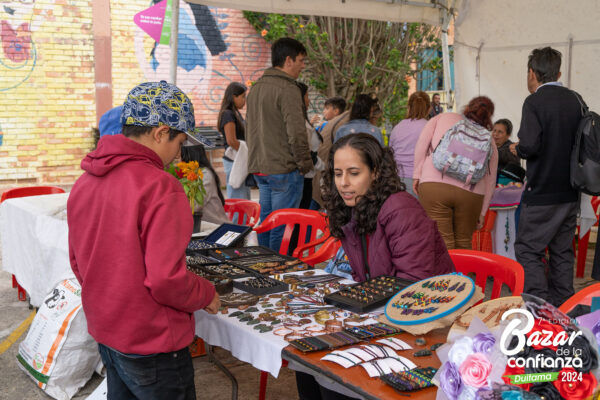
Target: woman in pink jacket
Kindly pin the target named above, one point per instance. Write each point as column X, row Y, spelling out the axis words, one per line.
column 458, row 208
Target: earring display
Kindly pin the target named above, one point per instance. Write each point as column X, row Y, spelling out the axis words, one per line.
column 261, row 285
column 195, row 259
column 200, row 244
column 238, row 252
column 409, row 381
column 223, row 284
column 367, row 295
column 230, row 271
column 430, row 299
column 270, row 264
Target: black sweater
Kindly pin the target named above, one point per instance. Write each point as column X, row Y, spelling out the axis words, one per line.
column 546, row 136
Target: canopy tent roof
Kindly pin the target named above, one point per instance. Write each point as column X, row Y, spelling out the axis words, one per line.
column 426, row 11
column 493, row 39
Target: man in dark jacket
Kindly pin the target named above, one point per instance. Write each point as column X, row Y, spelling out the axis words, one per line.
column 278, row 152
column 549, row 122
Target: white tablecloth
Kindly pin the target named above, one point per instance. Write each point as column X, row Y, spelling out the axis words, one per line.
column 35, row 246
column 262, row 350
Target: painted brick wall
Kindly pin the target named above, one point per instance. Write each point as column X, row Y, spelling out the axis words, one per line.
column 47, row 88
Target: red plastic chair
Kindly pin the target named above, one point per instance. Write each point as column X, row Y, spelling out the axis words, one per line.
column 582, row 246
column 502, row 269
column 323, row 249
column 247, row 211
column 584, row 296
column 26, row 192
column 294, row 216
column 482, row 238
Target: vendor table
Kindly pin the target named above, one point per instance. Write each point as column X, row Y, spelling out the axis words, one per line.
column 35, row 245
column 35, row 242
column 356, row 381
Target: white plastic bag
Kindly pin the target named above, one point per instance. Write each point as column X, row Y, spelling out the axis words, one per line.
column 239, row 169
column 58, row 352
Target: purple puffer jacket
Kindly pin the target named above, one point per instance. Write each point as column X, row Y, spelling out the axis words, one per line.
column 406, row 243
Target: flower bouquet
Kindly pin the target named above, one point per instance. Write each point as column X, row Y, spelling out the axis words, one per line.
column 190, row 175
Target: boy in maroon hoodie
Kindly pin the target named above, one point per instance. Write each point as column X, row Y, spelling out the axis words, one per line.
column 129, row 225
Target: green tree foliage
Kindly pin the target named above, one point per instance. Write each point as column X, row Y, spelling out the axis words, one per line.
column 347, row 56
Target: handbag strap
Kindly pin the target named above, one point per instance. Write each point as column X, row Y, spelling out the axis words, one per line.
column 363, row 240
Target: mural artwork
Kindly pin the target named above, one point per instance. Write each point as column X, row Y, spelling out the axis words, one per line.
column 18, row 54
column 211, row 54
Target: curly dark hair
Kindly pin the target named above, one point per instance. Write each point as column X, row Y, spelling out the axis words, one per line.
column 378, row 159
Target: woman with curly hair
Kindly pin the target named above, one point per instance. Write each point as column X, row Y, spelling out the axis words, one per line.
column 457, row 207
column 376, row 220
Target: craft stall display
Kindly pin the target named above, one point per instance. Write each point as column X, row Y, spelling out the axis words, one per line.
column 431, row 303
column 368, row 295
column 226, row 235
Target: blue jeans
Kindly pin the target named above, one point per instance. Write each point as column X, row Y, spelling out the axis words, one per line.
column 243, row 192
column 156, row 376
column 277, row 191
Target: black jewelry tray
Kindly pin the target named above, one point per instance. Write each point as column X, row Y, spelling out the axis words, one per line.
column 226, row 270
column 226, row 235
column 247, row 263
column 364, row 289
column 223, row 284
column 277, row 287
column 197, row 258
column 234, row 253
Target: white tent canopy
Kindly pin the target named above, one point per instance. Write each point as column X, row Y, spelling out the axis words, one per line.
column 383, row 10
column 493, row 39
column 433, row 12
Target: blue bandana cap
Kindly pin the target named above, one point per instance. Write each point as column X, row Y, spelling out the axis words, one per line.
column 156, row 104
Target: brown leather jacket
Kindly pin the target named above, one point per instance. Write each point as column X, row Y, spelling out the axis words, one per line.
column 276, row 132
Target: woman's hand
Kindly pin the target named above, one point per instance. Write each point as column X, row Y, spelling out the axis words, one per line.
column 416, row 186
column 480, row 222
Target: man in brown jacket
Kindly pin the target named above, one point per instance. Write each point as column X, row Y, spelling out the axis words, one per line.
column 278, row 151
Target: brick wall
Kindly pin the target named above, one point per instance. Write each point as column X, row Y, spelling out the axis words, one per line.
column 47, row 87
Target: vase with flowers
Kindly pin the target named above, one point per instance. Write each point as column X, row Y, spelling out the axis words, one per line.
column 190, row 175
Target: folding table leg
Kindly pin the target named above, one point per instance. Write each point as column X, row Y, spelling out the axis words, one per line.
column 262, row 392
column 213, row 359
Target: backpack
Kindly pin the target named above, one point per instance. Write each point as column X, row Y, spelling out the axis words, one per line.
column 464, row 152
column 585, row 157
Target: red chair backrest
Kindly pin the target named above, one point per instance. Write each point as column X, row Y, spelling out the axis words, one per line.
column 247, row 211
column 327, row 248
column 503, row 270
column 30, row 191
column 584, row 296
column 294, row 216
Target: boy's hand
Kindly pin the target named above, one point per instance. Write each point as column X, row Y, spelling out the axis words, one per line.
column 214, row 305
column 315, row 119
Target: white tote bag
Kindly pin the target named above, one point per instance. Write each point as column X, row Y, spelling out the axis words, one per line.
column 239, row 169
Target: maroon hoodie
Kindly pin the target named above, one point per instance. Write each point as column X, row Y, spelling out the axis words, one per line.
column 129, row 224
column 406, row 243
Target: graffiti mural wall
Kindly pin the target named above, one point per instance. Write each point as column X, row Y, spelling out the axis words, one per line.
column 216, row 46
column 47, row 86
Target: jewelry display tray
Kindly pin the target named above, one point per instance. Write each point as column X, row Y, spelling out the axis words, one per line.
column 362, row 307
column 225, row 269
column 201, row 258
column 277, row 287
column 231, row 253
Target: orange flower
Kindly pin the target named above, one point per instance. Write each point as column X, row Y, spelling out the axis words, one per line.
column 264, row 33
column 191, row 176
column 201, row 174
